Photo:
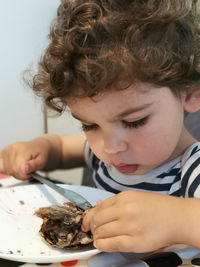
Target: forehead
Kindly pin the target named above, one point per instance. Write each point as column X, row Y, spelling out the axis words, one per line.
column 135, row 94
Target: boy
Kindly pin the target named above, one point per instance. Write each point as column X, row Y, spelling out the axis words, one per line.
column 129, row 72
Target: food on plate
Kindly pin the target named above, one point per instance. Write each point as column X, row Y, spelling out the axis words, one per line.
column 61, row 225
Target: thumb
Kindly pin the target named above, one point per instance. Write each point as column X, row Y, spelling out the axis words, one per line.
column 25, row 168
column 31, row 166
column 87, row 218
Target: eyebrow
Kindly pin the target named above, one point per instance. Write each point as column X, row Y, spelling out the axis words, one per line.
column 120, row 115
column 133, row 110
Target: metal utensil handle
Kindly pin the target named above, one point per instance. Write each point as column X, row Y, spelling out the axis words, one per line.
column 70, row 195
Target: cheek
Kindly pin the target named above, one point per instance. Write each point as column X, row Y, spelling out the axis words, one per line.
column 94, row 142
column 166, row 127
column 157, row 140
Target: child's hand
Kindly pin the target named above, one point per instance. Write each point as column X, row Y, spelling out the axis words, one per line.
column 134, row 221
column 22, row 158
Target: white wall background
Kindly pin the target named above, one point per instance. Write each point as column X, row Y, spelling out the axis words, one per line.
column 65, row 124
column 24, row 25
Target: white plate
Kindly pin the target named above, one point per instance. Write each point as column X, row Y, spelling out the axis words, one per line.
column 19, row 227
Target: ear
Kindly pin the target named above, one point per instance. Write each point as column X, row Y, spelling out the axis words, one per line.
column 192, row 101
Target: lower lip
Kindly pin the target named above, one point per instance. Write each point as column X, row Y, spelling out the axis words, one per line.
column 127, row 168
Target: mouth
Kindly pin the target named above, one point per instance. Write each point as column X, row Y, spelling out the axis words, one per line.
column 126, row 168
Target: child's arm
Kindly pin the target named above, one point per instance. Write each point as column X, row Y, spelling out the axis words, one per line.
column 45, row 153
column 135, row 221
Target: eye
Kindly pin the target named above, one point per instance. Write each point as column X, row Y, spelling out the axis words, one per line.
column 135, row 124
column 87, row 127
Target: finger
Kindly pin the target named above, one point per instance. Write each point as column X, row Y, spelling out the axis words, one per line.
column 105, row 215
column 123, row 243
column 108, row 202
column 1, row 165
column 24, row 171
column 99, row 215
column 112, row 229
column 32, row 165
column 99, row 202
column 25, row 168
column 28, row 167
column 87, row 219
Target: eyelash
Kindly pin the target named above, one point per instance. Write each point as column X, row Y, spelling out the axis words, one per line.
column 135, row 124
column 127, row 124
column 87, row 128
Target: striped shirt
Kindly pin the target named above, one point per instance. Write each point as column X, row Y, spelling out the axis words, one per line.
column 179, row 177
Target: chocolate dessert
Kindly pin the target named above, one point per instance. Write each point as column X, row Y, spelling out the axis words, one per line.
column 62, row 225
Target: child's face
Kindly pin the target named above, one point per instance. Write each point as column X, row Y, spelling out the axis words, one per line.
column 136, row 129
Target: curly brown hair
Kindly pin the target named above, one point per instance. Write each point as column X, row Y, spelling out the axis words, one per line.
column 96, row 45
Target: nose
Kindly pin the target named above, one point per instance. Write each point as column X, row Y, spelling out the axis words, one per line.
column 113, row 143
